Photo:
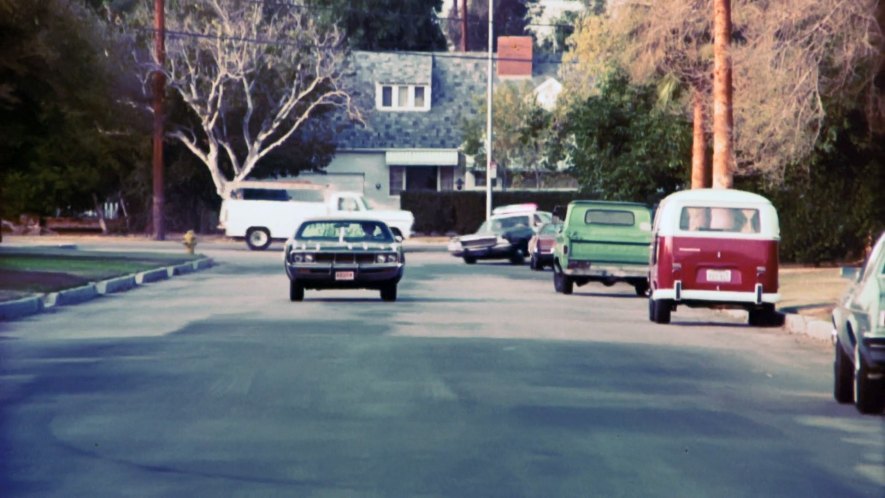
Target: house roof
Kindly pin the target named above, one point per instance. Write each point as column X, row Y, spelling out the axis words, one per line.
column 457, row 81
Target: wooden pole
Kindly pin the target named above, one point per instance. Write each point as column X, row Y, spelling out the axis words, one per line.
column 723, row 122
column 159, row 89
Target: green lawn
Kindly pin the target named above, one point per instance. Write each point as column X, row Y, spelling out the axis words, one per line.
column 28, row 271
column 811, row 291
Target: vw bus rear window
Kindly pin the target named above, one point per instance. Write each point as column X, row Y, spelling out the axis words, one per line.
column 719, row 219
column 609, row 217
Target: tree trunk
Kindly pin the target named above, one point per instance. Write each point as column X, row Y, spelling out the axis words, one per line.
column 99, row 210
column 723, row 143
column 700, row 168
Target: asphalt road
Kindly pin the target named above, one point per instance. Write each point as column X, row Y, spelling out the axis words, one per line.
column 479, row 381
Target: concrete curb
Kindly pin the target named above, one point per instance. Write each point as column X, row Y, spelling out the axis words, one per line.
column 150, row 276
column 20, row 308
column 797, row 324
column 119, row 284
column 76, row 295
column 817, row 329
column 11, row 310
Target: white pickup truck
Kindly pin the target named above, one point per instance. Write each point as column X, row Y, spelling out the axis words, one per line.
column 263, row 211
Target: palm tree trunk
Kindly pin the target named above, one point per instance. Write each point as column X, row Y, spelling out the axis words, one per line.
column 723, row 144
column 700, row 171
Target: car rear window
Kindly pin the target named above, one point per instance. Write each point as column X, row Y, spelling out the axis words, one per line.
column 282, row 195
column 609, row 217
column 349, row 231
column 719, row 219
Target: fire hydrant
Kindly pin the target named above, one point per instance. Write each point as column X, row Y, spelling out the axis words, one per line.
column 190, row 241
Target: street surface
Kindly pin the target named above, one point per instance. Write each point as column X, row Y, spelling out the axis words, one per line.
column 480, row 381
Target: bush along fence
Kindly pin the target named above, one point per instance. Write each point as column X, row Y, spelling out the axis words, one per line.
column 438, row 213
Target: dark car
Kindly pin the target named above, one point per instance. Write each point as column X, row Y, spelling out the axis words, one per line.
column 503, row 236
column 542, row 244
column 859, row 336
column 344, row 253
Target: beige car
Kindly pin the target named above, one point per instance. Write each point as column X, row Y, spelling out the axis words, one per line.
column 859, row 336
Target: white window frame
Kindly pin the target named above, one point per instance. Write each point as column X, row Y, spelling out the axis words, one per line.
column 410, row 104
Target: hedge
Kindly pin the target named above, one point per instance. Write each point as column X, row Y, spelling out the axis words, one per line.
column 462, row 212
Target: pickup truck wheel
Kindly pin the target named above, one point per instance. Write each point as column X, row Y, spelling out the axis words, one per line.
column 660, row 310
column 296, row 291
column 561, row 282
column 641, row 289
column 388, row 293
column 869, row 394
column 258, row 239
column 843, row 375
column 469, row 260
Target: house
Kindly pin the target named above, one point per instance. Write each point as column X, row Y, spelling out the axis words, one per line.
column 413, row 105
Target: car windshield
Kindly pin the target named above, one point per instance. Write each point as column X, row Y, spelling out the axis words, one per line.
column 500, row 225
column 345, row 231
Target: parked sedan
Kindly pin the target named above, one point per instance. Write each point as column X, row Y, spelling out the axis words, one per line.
column 503, row 236
column 541, row 246
column 859, row 336
column 339, row 252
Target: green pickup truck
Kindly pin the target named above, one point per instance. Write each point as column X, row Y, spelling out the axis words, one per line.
column 605, row 242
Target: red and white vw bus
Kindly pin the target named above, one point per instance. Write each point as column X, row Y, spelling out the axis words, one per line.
column 714, row 248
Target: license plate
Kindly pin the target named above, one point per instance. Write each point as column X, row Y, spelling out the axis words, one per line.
column 718, row 275
column 344, row 275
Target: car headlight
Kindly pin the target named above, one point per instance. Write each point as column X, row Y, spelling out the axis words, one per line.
column 295, row 258
column 392, row 258
column 381, row 258
column 308, row 258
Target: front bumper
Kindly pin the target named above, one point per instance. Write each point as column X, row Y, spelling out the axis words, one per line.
column 496, row 251
column 323, row 275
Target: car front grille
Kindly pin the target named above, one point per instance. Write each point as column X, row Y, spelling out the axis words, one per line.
column 345, row 258
column 479, row 242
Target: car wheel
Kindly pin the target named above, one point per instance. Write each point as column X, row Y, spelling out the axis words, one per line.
column 843, row 375
column 869, row 394
column 660, row 310
column 641, row 288
column 518, row 257
column 533, row 263
column 258, row 239
column 469, row 260
column 561, row 282
column 296, row 291
column 764, row 317
column 388, row 292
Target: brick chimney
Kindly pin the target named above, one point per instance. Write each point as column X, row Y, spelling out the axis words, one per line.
column 514, row 57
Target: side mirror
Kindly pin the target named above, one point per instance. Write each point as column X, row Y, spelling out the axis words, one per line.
column 398, row 238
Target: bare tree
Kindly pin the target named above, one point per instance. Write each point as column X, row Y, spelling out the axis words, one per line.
column 788, row 56
column 252, row 75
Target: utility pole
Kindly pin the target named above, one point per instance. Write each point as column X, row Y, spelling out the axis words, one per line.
column 159, row 89
column 463, row 24
column 723, row 121
column 489, row 117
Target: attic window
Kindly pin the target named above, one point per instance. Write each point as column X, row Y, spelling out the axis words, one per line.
column 402, row 97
